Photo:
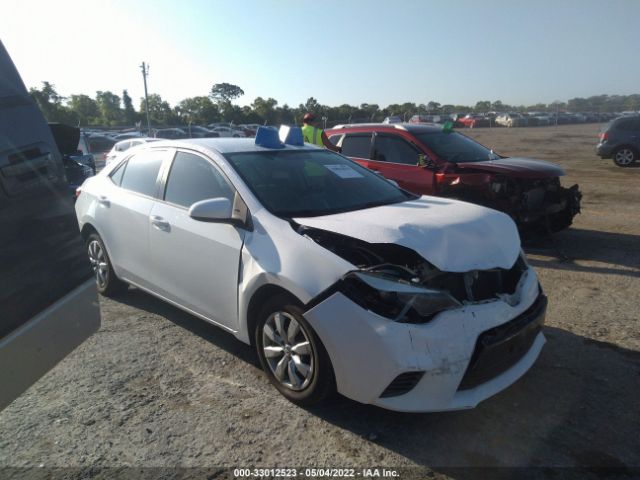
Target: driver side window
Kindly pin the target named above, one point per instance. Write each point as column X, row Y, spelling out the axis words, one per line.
column 395, row 150
column 193, row 178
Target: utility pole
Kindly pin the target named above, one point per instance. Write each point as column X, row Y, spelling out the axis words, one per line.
column 145, row 71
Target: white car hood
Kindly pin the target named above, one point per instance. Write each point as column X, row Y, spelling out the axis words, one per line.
column 454, row 236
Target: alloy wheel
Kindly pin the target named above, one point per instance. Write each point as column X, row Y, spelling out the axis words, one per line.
column 288, row 351
column 99, row 264
column 624, row 156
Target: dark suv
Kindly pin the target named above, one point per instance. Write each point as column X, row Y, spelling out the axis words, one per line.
column 620, row 140
column 434, row 160
column 48, row 300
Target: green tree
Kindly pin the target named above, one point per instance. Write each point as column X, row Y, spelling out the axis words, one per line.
column 433, row 107
column 225, row 92
column 482, row 106
column 160, row 111
column 84, row 109
column 50, row 103
column 200, row 110
column 130, row 115
column 265, row 109
column 109, row 108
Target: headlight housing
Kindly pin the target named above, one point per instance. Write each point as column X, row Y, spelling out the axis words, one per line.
column 396, row 300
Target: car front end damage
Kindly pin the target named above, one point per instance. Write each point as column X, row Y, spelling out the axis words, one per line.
column 535, row 204
column 406, row 336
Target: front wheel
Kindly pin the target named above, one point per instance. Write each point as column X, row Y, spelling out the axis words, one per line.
column 107, row 282
column 624, row 157
column 291, row 354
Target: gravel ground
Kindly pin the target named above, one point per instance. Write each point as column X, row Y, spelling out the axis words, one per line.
column 156, row 387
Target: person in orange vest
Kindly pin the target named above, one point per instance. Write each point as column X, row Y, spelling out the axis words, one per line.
column 315, row 135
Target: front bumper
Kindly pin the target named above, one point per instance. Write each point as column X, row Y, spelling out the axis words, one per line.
column 368, row 351
column 604, row 150
column 555, row 215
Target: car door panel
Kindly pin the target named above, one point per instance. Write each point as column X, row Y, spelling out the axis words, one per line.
column 195, row 263
column 122, row 212
column 396, row 159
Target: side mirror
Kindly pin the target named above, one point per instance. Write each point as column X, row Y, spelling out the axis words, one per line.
column 221, row 210
column 211, row 210
column 424, row 161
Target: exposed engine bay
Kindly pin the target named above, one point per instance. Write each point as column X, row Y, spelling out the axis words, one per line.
column 401, row 265
column 541, row 204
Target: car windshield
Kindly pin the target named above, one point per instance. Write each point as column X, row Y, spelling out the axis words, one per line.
column 309, row 183
column 454, row 147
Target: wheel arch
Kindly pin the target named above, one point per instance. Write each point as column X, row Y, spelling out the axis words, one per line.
column 631, row 147
column 257, row 301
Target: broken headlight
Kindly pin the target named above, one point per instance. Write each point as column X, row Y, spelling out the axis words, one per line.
column 396, row 300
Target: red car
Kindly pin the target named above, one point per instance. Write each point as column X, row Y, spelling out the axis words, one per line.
column 434, row 160
column 473, row 121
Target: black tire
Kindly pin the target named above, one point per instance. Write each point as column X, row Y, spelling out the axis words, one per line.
column 624, row 156
column 107, row 283
column 321, row 382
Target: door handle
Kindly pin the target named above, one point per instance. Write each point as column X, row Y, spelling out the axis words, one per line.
column 102, row 200
column 160, row 223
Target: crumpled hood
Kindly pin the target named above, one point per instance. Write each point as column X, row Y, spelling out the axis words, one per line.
column 454, row 236
column 518, row 167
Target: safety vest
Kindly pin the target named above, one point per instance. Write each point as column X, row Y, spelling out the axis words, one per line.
column 312, row 135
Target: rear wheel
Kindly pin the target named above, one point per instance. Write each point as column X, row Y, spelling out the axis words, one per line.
column 291, row 354
column 107, row 282
column 624, row 156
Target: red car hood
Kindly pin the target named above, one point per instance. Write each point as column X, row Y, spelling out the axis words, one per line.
column 516, row 167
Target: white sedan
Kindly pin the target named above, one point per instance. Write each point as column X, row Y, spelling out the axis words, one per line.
column 339, row 279
column 126, row 144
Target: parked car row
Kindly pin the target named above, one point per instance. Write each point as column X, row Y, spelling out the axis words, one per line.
column 509, row 119
column 339, row 279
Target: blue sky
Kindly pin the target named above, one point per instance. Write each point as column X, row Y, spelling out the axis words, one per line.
column 349, row 51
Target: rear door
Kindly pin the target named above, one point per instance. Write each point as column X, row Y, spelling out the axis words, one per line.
column 397, row 159
column 123, row 214
column 195, row 263
column 48, row 301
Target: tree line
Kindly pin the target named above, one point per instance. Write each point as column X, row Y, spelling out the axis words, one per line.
column 108, row 109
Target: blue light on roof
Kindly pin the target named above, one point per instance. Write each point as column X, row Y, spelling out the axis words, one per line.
column 291, row 135
column 268, row 137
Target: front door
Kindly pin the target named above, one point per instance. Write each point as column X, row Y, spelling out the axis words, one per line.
column 195, row 263
column 397, row 159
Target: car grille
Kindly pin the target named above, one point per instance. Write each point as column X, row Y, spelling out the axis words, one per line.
column 499, row 348
column 402, row 384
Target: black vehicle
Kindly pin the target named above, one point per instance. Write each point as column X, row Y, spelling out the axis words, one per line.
column 77, row 166
column 171, row 133
column 620, row 140
column 48, row 299
column 194, row 131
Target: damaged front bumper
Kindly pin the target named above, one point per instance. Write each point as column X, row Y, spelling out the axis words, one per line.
column 555, row 214
column 434, row 366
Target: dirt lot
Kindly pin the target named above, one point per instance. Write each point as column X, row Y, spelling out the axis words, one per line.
column 156, row 387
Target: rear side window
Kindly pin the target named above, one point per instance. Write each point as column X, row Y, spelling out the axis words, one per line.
column 395, row 150
column 116, row 175
column 357, row 145
column 628, row 124
column 141, row 172
column 192, row 178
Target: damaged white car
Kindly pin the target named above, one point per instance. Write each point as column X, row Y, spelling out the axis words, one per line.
column 341, row 280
